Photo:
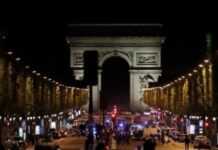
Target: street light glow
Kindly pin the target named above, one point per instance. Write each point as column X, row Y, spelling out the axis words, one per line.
column 195, row 71
column 20, row 118
column 206, row 118
column 10, row 53
column 27, row 67
column 206, row 61
column 200, row 65
column 18, row 59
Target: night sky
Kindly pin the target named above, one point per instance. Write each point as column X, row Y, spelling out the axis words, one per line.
column 39, row 39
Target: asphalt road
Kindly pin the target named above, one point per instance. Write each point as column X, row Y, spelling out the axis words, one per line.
column 77, row 143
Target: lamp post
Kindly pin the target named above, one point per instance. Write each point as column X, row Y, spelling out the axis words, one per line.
column 90, row 104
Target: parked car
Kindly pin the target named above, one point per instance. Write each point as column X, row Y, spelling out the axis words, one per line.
column 202, row 142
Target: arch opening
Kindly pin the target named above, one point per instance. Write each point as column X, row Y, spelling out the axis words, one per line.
column 115, row 84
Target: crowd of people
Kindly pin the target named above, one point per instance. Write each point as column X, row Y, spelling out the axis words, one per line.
column 110, row 138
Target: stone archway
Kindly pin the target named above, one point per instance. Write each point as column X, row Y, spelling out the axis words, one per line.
column 141, row 53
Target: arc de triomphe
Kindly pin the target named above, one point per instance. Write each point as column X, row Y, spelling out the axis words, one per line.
column 143, row 54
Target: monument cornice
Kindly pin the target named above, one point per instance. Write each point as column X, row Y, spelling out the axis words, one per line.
column 108, row 41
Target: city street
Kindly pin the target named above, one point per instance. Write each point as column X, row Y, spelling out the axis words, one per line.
column 77, row 143
column 71, row 143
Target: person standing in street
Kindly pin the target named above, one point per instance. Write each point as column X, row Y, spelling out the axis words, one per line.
column 187, row 141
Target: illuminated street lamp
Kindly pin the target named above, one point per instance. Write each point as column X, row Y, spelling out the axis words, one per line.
column 18, row 59
column 10, row 53
column 206, row 118
column 206, row 61
column 20, row 118
column 200, row 65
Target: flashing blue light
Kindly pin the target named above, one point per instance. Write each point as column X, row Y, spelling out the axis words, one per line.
column 94, row 131
column 121, row 125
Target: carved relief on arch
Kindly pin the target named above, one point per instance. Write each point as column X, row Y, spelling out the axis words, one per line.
column 108, row 54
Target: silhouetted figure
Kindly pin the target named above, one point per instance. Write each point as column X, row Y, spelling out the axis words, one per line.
column 149, row 144
column 100, row 145
column 187, row 141
column 1, row 147
column 162, row 137
column 145, row 144
column 86, row 145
